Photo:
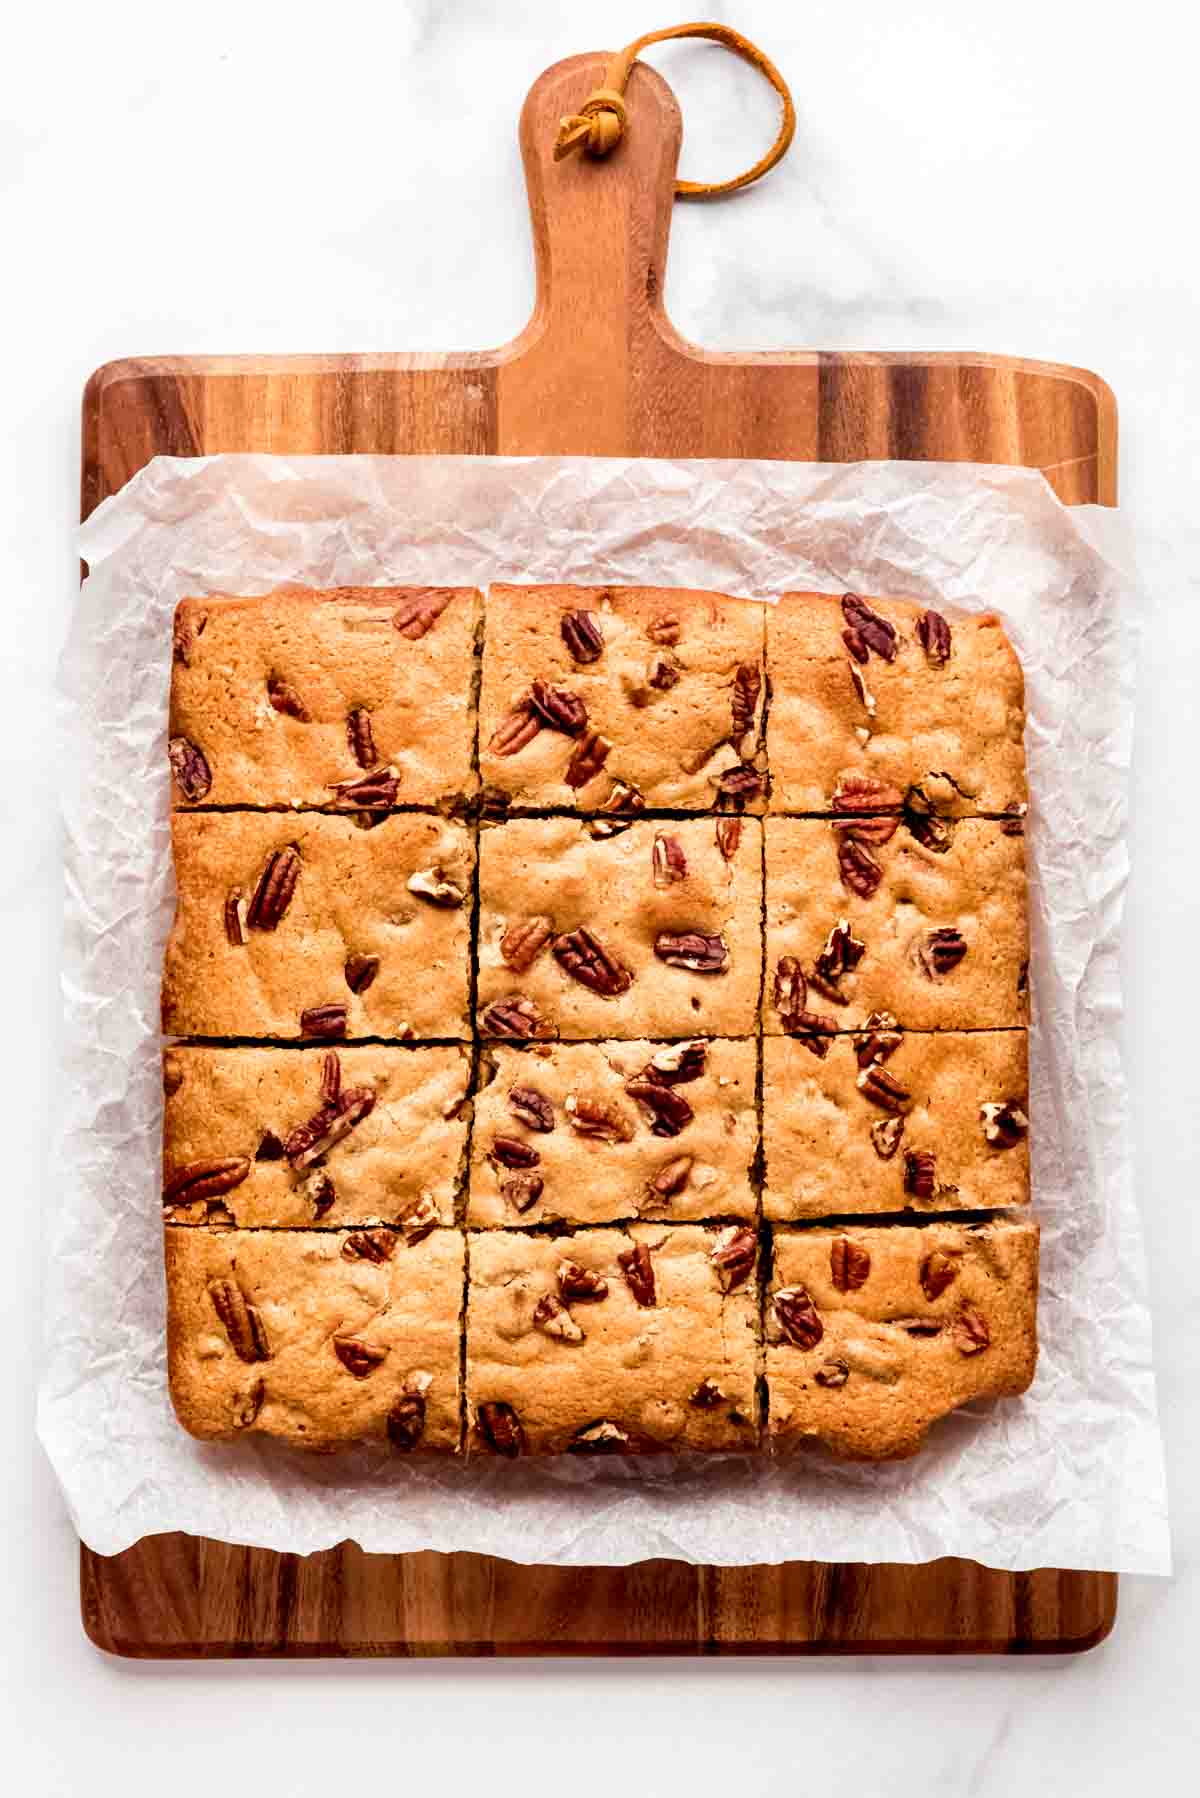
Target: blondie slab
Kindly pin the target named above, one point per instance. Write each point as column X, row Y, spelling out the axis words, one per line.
column 653, row 933
column 621, row 696
column 612, row 1341
column 259, row 1137
column 889, row 689
column 300, row 1335
column 937, row 937
column 874, row 1334
column 311, row 927
column 297, row 697
column 589, row 1133
column 891, row 1122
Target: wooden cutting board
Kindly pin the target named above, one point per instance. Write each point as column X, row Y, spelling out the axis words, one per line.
column 598, row 370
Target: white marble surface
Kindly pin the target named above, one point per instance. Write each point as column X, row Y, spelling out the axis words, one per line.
column 262, row 176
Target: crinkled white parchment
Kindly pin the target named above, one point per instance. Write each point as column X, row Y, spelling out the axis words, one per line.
column 1069, row 1476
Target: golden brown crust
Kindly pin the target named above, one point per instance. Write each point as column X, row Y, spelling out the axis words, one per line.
column 604, row 1165
column 830, row 1150
column 956, row 730
column 638, row 1369
column 660, row 691
column 265, row 688
column 883, row 1359
column 351, row 898
column 250, row 1107
column 315, row 1316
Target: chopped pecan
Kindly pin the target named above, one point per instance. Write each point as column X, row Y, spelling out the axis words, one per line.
column 940, row 951
column 319, row 1190
column 552, row 1316
column 920, row 1169
column 678, row 1063
column 243, row 1325
column 323, row 1021
column 500, row 1428
column 284, row 698
column 933, row 634
column 878, row 1040
column 740, row 785
column 193, row 776
column 435, row 886
column 358, row 1357
column 856, row 643
column 582, row 635
column 599, row 1118
column 707, row 1395
column 858, row 868
column 582, row 955
column 524, row 941
column 376, row 1246
column 668, row 860
column 522, row 1191
column 664, row 629
column 856, row 794
column 205, row 1180
column 671, row 1178
column 236, row 915
column 360, row 971
column 603, row 1438
column 587, row 759
column 361, row 737
column 790, row 994
column 858, row 680
column 420, row 1220
column 636, row 1265
column 406, row 1417
column 575, row 1282
column 331, row 1077
column 374, row 791
column 922, row 822
column 270, row 1148
column 669, row 1109
column 557, row 707
column 885, row 1136
column 797, row 1316
column 918, row 1326
column 849, row 1264
column 516, row 1018
column 184, row 632
column 517, row 730
column 276, row 885
column 248, row 1404
column 876, row 830
column 833, row 1372
column 882, row 1090
column 309, row 1141
column 511, row 1152
column 732, row 1254
column 693, row 950
column 841, row 955
column 874, row 631
column 938, row 1270
column 620, row 808
column 1004, row 1124
column 420, row 610
column 1014, row 819
column 729, row 835
column 531, row 1108
column 662, row 671
column 970, row 1331
column 747, row 685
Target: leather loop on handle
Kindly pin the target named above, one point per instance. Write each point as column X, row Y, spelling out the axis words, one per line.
column 602, row 119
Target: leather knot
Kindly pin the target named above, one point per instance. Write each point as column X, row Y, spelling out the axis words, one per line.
column 597, row 127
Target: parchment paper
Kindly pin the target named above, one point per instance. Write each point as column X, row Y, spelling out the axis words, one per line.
column 1070, row 1476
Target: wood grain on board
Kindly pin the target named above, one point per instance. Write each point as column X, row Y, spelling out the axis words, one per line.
column 599, row 370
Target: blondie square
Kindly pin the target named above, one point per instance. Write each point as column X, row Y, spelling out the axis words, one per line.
column 884, row 1121
column 937, row 936
column 893, row 691
column 874, row 1334
column 307, row 926
column 356, row 696
column 273, row 1137
column 298, row 1334
column 652, row 933
column 612, row 1341
column 590, row 1133
column 621, row 697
